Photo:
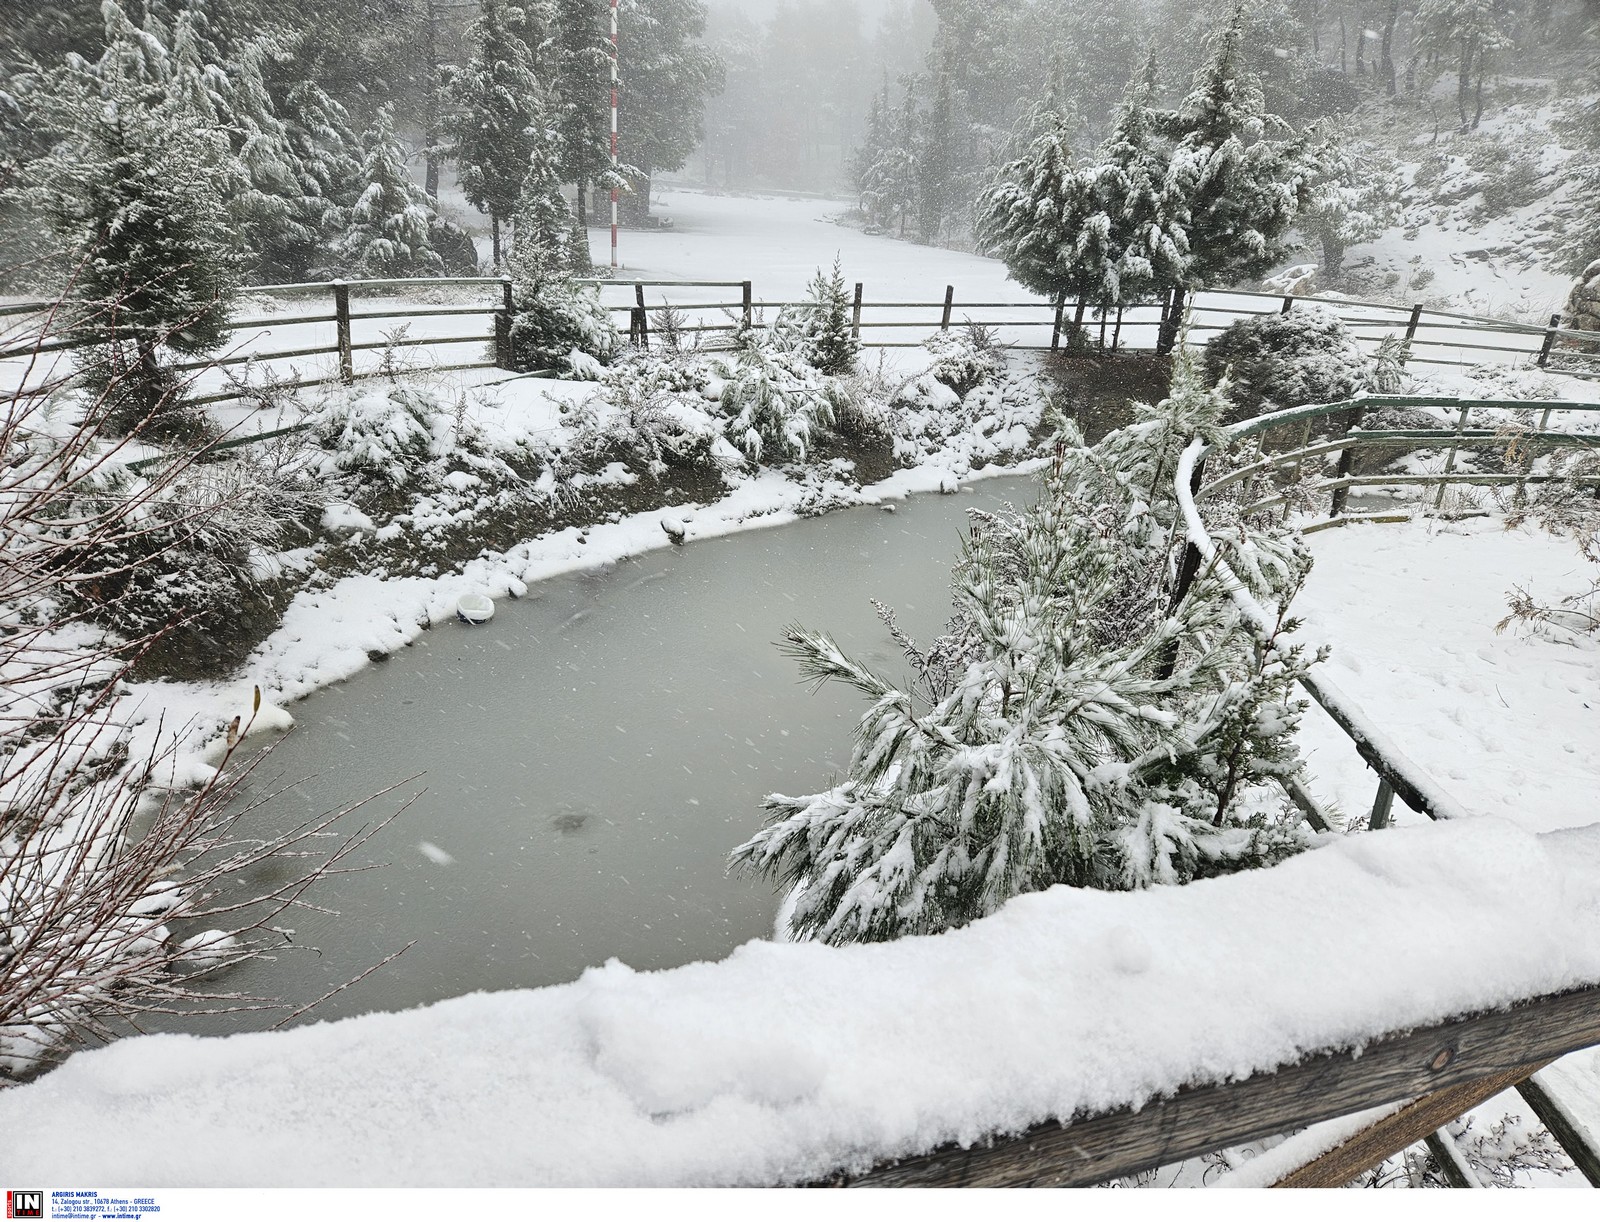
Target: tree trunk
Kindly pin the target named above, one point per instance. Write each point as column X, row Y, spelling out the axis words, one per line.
column 1332, row 254
column 583, row 206
column 1464, row 81
column 1388, row 47
column 430, row 123
column 1477, row 113
column 635, row 205
column 494, row 231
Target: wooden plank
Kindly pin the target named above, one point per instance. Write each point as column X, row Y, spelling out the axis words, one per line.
column 1457, row 1171
column 1412, row 1123
column 1568, row 1131
column 1202, row 1118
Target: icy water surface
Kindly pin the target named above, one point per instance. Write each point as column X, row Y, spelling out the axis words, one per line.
column 589, row 757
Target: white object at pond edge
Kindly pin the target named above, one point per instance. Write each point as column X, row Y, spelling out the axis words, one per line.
column 475, row 608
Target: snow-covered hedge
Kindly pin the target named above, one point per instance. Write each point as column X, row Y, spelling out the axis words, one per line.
column 1285, row 360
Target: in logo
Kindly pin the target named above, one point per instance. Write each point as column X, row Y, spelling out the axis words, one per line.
column 24, row 1204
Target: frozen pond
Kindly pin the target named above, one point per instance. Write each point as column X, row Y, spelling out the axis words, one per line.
column 590, row 757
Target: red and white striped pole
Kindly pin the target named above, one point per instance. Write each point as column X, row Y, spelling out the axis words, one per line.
column 613, row 133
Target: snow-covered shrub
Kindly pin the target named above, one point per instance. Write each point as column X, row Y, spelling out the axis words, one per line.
column 774, row 403
column 651, row 411
column 1286, row 360
column 397, row 434
column 198, row 533
column 556, row 319
column 819, row 331
column 965, row 408
column 966, row 357
column 1079, row 722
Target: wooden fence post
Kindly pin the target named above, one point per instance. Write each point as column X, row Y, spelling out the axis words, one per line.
column 1288, row 303
column 1450, row 459
column 1382, row 804
column 949, row 300
column 1411, row 334
column 640, row 331
column 341, row 312
column 1549, row 339
column 855, row 314
column 748, row 317
column 502, row 326
column 1347, row 462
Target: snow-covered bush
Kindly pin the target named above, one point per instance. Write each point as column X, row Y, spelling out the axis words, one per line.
column 819, row 331
column 966, row 357
column 1285, row 360
column 776, row 405
column 652, row 411
column 1080, row 722
column 966, row 408
column 395, row 434
column 556, row 319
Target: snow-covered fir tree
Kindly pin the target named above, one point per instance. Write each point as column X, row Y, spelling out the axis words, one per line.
column 1081, row 722
column 580, row 91
column 888, row 182
column 1130, row 180
column 667, row 73
column 819, row 331
column 388, row 232
column 1234, row 174
column 133, row 188
column 1352, row 195
column 546, row 238
column 498, row 112
column 1029, row 217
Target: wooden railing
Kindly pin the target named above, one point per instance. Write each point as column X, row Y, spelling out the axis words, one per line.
column 1432, row 337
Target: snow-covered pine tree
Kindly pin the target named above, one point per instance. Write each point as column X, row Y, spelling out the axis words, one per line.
column 1042, row 217
column 1233, row 176
column 497, row 117
column 1078, row 724
column 580, row 92
column 328, row 169
column 864, row 158
column 1352, row 195
column 819, row 331
column 935, row 159
column 133, row 191
column 387, row 235
column 667, row 73
column 546, row 240
column 889, row 184
column 1130, row 179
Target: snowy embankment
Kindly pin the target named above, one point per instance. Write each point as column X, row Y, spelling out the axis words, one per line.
column 1508, row 723
column 787, row 1062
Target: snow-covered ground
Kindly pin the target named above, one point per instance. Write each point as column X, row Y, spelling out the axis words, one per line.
column 789, row 1061
column 1507, row 722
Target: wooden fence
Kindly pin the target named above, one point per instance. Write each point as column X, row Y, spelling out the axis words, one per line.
column 336, row 326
